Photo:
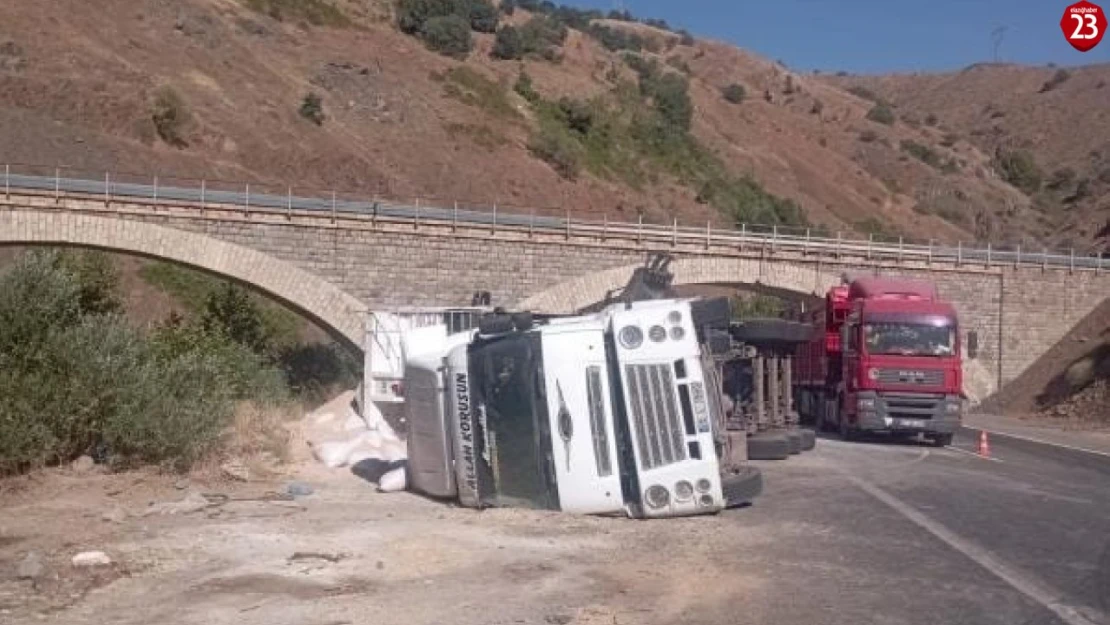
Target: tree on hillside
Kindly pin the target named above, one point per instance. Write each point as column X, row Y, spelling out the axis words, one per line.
column 230, row 312
column 449, row 35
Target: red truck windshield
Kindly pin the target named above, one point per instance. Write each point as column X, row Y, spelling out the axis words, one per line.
column 909, row 339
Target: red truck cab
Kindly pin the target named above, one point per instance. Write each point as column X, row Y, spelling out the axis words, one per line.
column 887, row 362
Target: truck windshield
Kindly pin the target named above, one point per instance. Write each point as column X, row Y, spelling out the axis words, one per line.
column 909, row 339
column 514, row 435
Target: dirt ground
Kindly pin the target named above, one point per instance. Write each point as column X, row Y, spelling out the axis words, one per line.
column 345, row 554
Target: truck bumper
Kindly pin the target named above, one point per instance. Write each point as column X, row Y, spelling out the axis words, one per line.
column 908, row 413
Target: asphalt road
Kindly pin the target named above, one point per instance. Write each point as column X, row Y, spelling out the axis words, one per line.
column 906, row 534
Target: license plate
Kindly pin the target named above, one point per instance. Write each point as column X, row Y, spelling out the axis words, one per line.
column 911, row 423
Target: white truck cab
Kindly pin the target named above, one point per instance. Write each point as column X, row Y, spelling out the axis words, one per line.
column 606, row 413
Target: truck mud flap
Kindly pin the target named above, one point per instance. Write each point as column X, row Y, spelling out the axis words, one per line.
column 742, row 487
column 769, row 446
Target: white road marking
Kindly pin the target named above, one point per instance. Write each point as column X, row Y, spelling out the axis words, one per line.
column 1028, row 586
column 972, row 453
column 1042, row 442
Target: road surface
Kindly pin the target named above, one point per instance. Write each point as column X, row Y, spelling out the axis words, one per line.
column 850, row 533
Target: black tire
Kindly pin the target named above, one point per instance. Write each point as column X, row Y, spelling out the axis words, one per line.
column 768, row 446
column 742, row 487
column 846, row 433
column 495, row 324
column 522, row 321
column 794, row 437
column 942, row 440
column 809, row 439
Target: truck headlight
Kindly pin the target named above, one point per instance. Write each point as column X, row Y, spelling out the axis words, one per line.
column 706, row 500
column 952, row 407
column 704, row 485
column 674, row 317
column 872, row 374
column 631, row 337
column 866, row 403
column 657, row 496
column 683, row 490
column 657, row 334
column 677, row 333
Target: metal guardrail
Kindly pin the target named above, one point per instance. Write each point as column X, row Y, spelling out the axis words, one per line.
column 772, row 238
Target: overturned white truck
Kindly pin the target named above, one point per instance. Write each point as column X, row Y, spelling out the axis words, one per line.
column 605, row 413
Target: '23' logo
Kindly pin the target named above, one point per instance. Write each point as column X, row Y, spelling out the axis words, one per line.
column 1083, row 24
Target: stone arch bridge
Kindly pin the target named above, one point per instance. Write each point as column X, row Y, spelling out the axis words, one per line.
column 335, row 265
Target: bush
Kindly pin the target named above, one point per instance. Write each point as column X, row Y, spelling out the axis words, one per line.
column 680, row 64
column 1019, row 169
column 686, row 38
column 615, row 39
column 931, row 120
column 312, row 108
column 315, row 12
column 542, row 32
column 1061, row 178
column 868, row 136
column 1060, row 77
column 923, row 153
column 557, row 148
column 734, row 93
column 449, row 35
column 524, row 88
column 170, row 116
column 670, row 94
column 863, row 92
column 950, row 140
column 483, row 16
column 881, row 113
column 413, row 15
column 230, row 313
column 508, row 45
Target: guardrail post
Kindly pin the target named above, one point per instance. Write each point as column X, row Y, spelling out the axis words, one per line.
column 289, row 203
column 416, row 216
column 203, row 203
column 930, row 261
column 901, row 245
column 605, row 226
column 708, row 233
column 494, row 228
column 531, row 223
column 805, row 249
column 640, row 229
column 1071, row 261
column 1044, row 259
column 57, row 185
column 774, row 237
column 333, row 220
column 455, row 217
column 870, row 240
column 988, row 255
column 107, row 187
column 674, row 231
column 8, row 182
column 247, row 201
column 839, row 238
column 568, row 224
column 959, row 253
column 156, row 190
column 1017, row 258
column 743, row 235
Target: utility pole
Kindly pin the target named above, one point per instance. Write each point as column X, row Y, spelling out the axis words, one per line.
column 997, row 35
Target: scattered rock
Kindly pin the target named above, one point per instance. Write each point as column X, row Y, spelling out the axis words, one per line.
column 84, row 464
column 236, row 470
column 181, row 484
column 314, row 555
column 193, row 502
column 393, row 482
column 30, row 567
column 115, row 515
column 299, row 489
column 558, row 619
column 91, row 558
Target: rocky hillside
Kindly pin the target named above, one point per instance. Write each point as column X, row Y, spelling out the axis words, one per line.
column 1047, row 129
column 564, row 108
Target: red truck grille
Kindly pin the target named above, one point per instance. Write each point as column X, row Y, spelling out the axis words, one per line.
column 922, row 377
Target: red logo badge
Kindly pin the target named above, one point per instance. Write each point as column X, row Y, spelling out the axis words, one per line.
column 1083, row 24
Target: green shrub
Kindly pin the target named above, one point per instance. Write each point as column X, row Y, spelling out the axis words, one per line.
column 413, row 15
column 541, row 33
column 670, row 94
column 881, row 113
column 862, row 92
column 868, row 136
column 555, row 146
column 1060, row 77
column 923, row 153
column 170, row 116
column 98, row 279
column 316, row 372
column 315, row 12
column 483, row 16
column 931, row 120
column 524, row 88
column 615, row 39
column 734, row 93
column 1018, row 168
column 508, row 45
column 680, row 64
column 472, row 88
column 950, row 140
column 756, row 307
column 449, row 35
column 1061, row 178
column 312, row 108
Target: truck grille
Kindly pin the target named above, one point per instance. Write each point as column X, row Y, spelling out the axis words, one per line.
column 654, row 410
column 925, row 377
column 912, row 406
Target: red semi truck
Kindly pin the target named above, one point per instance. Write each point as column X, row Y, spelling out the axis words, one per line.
column 885, row 359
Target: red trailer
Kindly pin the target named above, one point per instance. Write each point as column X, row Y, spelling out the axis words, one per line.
column 885, row 358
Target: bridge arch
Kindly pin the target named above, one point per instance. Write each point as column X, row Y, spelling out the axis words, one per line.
column 341, row 314
column 586, row 290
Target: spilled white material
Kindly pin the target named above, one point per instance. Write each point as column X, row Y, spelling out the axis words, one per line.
column 340, row 437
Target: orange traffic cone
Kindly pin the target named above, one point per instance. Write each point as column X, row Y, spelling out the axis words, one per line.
column 984, row 444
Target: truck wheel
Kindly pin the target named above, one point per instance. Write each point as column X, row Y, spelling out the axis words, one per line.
column 742, row 487
column 768, row 446
column 942, row 440
column 846, row 432
column 794, row 437
column 809, row 439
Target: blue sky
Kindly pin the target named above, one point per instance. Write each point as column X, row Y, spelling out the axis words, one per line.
column 869, row 36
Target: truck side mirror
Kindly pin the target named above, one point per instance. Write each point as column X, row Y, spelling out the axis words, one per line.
column 973, row 345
